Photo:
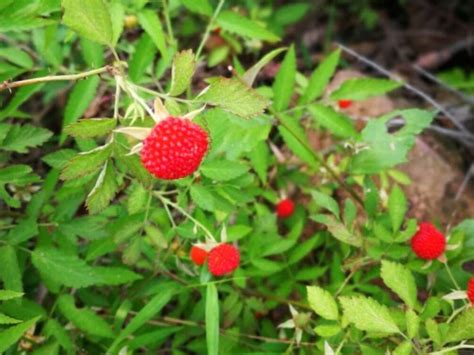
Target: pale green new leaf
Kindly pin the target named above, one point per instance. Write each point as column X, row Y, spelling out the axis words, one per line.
column 223, row 170
column 285, row 81
column 83, row 318
column 320, row 77
column 91, row 127
column 322, row 302
column 462, row 328
column 11, row 335
column 400, row 280
column 397, row 207
column 22, row 137
column 89, row 18
column 362, row 88
column 337, row 123
column 242, row 26
column 368, row 315
column 150, row 22
column 212, row 319
column 8, row 295
column 234, row 96
column 413, row 323
column 201, row 7
column 86, row 163
column 4, row 319
column 182, row 71
column 250, row 75
column 104, row 190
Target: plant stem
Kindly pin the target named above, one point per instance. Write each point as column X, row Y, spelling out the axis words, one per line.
column 208, row 28
column 71, row 77
column 168, row 22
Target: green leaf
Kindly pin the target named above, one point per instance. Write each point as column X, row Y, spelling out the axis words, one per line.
column 234, row 96
column 260, row 159
column 86, row 163
column 223, row 170
column 285, row 81
column 117, row 14
column 338, row 230
column 368, row 315
column 432, row 328
column 326, row 201
column 92, row 52
column 320, row 77
column 152, row 307
column 91, row 127
column 150, row 22
column 17, row 174
column 89, row 18
column 184, row 65
column 83, row 318
column 404, row 348
column 322, row 302
column 104, row 190
column 4, row 319
column 22, row 137
column 337, row 123
column 202, row 197
column 362, row 88
column 137, row 199
column 79, row 100
column 70, row 271
column 250, row 75
column 383, row 150
column 242, row 26
column 8, row 295
column 17, row 57
column 142, row 58
column 10, row 271
column 10, row 336
column 212, row 319
column 462, row 328
column 397, row 207
column 21, row 96
column 400, row 280
column 201, row 7
column 413, row 323
column 60, row 158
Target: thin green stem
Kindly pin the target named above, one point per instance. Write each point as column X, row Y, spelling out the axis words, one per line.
column 209, row 27
column 168, row 22
column 453, row 280
column 448, row 350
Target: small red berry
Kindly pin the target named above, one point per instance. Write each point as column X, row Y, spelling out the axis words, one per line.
column 428, row 243
column 174, row 149
column 198, row 255
column 223, row 259
column 470, row 290
column 344, row 103
column 285, row 208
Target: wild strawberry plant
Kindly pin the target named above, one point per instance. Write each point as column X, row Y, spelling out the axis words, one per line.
column 189, row 213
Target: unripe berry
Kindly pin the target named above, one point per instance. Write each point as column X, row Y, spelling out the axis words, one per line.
column 428, row 243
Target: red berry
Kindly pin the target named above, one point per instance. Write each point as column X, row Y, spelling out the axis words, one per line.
column 285, row 208
column 428, row 243
column 198, row 255
column 470, row 290
column 223, row 259
column 174, row 149
column 344, row 103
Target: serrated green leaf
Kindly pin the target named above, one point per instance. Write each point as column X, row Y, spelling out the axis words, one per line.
column 413, row 323
column 4, row 319
column 242, row 26
column 336, row 123
column 59, row 158
column 202, row 197
column 89, row 18
column 326, row 201
column 86, row 163
column 223, row 170
column 55, row 329
column 21, row 96
column 338, row 230
column 104, row 190
column 260, row 159
column 8, row 295
column 320, row 77
column 22, row 137
column 322, row 302
column 117, row 14
column 212, row 319
column 150, row 22
column 10, row 272
column 250, row 75
column 433, row 331
column 137, row 199
column 462, row 328
column 285, row 81
column 234, row 96
column 91, row 127
column 182, row 71
column 142, row 58
column 404, row 348
column 83, row 318
column 362, row 88
column 16, row 56
column 17, row 174
column 92, row 52
column 400, row 280
column 201, row 7
column 397, row 207
column 368, row 315
column 10, row 336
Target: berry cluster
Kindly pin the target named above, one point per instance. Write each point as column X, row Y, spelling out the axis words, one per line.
column 222, row 259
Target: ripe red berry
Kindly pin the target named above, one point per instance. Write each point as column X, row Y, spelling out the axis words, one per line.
column 174, row 149
column 428, row 243
column 344, row 103
column 223, row 259
column 198, row 255
column 285, row 208
column 470, row 290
